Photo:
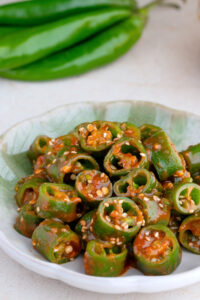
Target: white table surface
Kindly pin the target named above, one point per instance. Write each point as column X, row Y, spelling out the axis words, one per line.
column 163, row 67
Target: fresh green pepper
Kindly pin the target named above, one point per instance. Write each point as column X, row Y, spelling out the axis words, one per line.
column 192, row 158
column 93, row 53
column 27, row 189
column 37, row 12
column 104, row 259
column 189, row 233
column 39, row 147
column 130, row 130
column 58, row 201
column 185, row 197
column 148, row 130
column 56, row 241
column 35, row 43
column 124, row 156
column 117, row 220
column 156, row 250
column 84, row 227
column 155, row 209
column 98, row 136
column 163, row 155
column 27, row 220
column 136, row 182
column 71, row 162
column 93, row 186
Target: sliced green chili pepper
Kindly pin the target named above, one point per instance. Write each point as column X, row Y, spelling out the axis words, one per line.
column 39, row 147
column 56, row 241
column 185, row 198
column 130, row 130
column 95, row 52
column 27, row 189
column 34, row 43
column 62, row 168
column 189, row 233
column 156, row 250
column 192, row 158
column 148, row 130
column 118, row 220
column 93, row 186
column 155, row 209
column 84, row 227
column 124, row 156
column 136, row 182
column 58, row 201
column 163, row 155
column 27, row 220
column 98, row 136
column 66, row 142
column 39, row 12
column 175, row 222
column 104, row 259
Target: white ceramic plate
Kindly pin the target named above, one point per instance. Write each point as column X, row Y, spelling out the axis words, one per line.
column 183, row 128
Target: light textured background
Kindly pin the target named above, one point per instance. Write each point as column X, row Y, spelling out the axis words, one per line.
column 163, row 67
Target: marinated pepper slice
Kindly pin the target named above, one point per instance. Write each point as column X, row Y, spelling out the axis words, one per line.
column 66, row 142
column 58, row 201
column 155, row 209
column 192, row 158
column 156, row 250
column 175, row 222
column 136, row 182
column 71, row 162
column 27, row 220
column 56, row 241
column 98, row 136
column 104, row 259
column 117, row 220
column 130, row 130
column 27, row 189
column 39, row 147
column 189, row 233
column 93, row 186
column 84, row 227
column 124, row 156
column 163, row 155
column 185, row 197
column 148, row 130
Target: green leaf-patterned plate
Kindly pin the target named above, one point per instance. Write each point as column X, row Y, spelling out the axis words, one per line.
column 183, row 128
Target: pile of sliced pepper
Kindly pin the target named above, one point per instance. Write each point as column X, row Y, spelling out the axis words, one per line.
column 51, row 39
column 120, row 194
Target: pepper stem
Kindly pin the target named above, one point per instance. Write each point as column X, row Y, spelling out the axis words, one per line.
column 150, row 5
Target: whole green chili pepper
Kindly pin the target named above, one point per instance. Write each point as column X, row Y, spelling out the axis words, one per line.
column 39, row 12
column 27, row 189
column 155, row 209
column 104, row 259
column 27, row 220
column 192, row 158
column 163, row 155
column 156, row 250
column 117, row 220
column 69, row 165
column 95, row 52
column 84, row 228
column 58, row 201
column 98, row 136
column 56, row 241
column 185, row 197
column 136, row 182
column 189, row 233
column 93, row 186
column 38, row 42
column 39, row 147
column 124, row 156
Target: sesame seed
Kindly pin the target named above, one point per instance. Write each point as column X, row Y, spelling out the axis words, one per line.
column 102, row 175
column 73, row 152
column 147, row 238
column 112, row 242
column 37, row 209
column 34, row 243
column 120, row 201
column 191, row 211
column 106, row 204
column 49, row 153
column 105, row 190
column 154, row 260
column 107, row 219
column 124, row 215
column 54, row 161
column 156, row 234
column 119, row 135
column 84, row 236
column 127, row 143
column 117, row 227
column 143, row 154
column 19, row 208
column 146, row 199
column 99, row 193
column 156, row 198
column 68, row 249
column 83, row 222
column 105, row 134
column 63, row 230
column 125, row 225
column 161, row 205
column 66, row 152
